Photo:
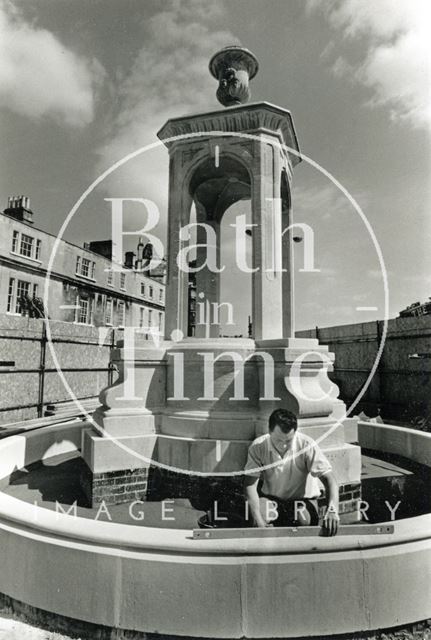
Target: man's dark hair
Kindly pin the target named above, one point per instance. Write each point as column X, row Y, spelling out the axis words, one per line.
column 285, row 419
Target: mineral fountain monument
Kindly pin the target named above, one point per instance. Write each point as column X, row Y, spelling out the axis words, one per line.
column 198, row 402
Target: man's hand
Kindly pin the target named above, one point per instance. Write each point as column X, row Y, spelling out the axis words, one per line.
column 252, row 499
column 331, row 519
column 260, row 523
column 330, row 523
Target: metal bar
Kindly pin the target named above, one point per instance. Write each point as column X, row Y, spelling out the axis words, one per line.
column 291, row 532
column 352, row 340
column 59, row 340
column 371, row 338
column 35, row 404
column 68, row 370
column 406, row 372
column 111, row 365
column 19, row 406
column 42, row 372
column 70, row 341
column 32, row 339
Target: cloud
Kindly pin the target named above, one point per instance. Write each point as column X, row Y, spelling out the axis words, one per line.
column 377, row 274
column 39, row 77
column 169, row 78
column 423, row 279
column 327, row 51
column 341, row 67
column 324, row 201
column 396, row 66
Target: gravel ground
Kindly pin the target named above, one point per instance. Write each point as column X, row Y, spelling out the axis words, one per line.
column 12, row 628
column 15, row 630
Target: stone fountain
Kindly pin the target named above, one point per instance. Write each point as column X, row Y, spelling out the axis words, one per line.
column 188, row 422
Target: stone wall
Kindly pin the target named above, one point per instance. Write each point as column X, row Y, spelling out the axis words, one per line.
column 29, row 379
column 400, row 387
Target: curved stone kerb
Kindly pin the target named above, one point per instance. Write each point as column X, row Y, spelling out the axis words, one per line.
column 17, row 451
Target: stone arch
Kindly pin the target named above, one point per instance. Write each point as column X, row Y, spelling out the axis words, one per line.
column 214, row 189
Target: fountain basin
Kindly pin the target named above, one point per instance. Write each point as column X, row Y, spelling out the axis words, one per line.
column 162, row 581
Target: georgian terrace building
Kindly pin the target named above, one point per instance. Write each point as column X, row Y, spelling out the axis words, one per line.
column 83, row 287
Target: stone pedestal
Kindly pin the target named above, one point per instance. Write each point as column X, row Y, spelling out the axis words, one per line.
column 120, row 446
column 203, row 402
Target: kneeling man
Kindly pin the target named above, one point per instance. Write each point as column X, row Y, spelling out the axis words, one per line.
column 292, row 463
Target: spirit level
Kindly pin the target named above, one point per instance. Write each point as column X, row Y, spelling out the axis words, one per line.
column 291, row 532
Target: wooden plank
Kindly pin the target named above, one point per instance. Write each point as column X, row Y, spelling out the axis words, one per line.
column 291, row 532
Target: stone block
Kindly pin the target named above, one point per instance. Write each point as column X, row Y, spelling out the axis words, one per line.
column 128, row 452
column 202, row 455
column 346, row 462
column 124, row 422
column 217, row 425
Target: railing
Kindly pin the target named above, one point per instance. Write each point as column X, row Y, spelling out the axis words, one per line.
column 400, row 386
column 10, row 368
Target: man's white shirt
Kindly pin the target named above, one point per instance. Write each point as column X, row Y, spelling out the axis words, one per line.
column 293, row 475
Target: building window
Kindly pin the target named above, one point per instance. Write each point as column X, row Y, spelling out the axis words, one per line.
column 160, row 321
column 141, row 317
column 123, row 281
column 108, row 311
column 22, row 291
column 121, row 314
column 150, row 317
column 142, row 289
column 10, row 295
column 110, row 277
column 83, row 310
column 18, row 295
column 25, row 245
column 15, row 241
column 161, row 295
column 150, row 292
column 85, row 267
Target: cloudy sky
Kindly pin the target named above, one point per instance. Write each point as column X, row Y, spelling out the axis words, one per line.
column 84, row 83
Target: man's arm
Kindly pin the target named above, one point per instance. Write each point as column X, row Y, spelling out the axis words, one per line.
column 252, row 497
column 331, row 519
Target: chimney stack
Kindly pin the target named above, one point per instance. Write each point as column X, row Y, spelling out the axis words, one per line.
column 18, row 207
column 128, row 262
column 102, row 247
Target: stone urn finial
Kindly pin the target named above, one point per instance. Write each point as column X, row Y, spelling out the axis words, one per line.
column 233, row 67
